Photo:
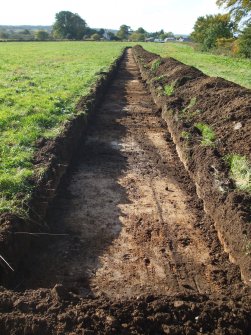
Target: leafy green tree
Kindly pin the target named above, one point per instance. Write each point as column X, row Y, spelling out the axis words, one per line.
column 238, row 9
column 112, row 36
column 69, row 25
column 42, row 35
column 4, row 34
column 101, row 32
column 96, row 37
column 141, row 30
column 89, row 32
column 245, row 42
column 124, row 32
column 25, row 32
column 210, row 28
column 137, row 37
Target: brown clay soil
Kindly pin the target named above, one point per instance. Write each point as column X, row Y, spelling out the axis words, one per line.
column 137, row 254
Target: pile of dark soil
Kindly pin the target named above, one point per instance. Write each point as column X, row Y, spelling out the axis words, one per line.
column 192, row 98
column 60, row 312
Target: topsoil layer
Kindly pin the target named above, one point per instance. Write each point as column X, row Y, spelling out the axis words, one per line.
column 130, row 250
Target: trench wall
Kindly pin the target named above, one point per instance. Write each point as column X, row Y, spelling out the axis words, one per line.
column 187, row 97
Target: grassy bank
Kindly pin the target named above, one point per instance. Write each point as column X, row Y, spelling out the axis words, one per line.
column 40, row 84
column 237, row 70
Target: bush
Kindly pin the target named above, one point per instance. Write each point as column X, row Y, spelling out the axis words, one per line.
column 245, row 42
column 95, row 37
column 225, row 45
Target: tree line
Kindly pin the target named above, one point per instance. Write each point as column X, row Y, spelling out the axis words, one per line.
column 70, row 26
column 229, row 32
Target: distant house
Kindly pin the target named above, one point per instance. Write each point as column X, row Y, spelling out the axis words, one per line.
column 149, row 39
column 106, row 35
column 158, row 40
column 169, row 39
column 183, row 39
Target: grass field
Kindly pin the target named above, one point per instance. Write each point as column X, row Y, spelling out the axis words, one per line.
column 237, row 70
column 40, row 84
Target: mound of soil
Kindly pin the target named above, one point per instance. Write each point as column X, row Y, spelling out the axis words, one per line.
column 58, row 311
column 195, row 98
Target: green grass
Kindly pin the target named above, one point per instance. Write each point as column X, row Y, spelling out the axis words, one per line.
column 237, row 70
column 191, row 104
column 169, row 89
column 240, row 170
column 186, row 135
column 207, row 133
column 155, row 65
column 40, row 84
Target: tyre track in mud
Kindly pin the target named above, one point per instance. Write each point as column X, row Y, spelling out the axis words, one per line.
column 135, row 225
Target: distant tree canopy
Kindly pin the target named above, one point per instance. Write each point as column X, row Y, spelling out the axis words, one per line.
column 141, row 30
column 124, row 32
column 210, row 28
column 112, row 36
column 42, row 35
column 137, row 37
column 239, row 9
column 96, row 37
column 69, row 25
column 245, row 42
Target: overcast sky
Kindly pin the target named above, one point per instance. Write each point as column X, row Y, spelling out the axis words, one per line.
column 177, row 16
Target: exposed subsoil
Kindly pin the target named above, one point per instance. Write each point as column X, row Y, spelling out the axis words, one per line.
column 133, row 252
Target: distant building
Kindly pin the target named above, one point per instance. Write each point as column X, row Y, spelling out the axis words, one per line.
column 149, row 39
column 106, row 35
column 169, row 39
column 158, row 40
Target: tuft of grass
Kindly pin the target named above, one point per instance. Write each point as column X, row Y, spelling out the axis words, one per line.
column 160, row 78
column 190, row 105
column 208, row 135
column 186, row 135
column 240, row 169
column 169, row 89
column 248, row 249
column 155, row 65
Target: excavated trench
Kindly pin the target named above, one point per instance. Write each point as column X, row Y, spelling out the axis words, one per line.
column 131, row 221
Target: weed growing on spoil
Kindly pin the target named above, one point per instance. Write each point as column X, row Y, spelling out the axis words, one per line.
column 186, row 135
column 190, row 105
column 169, row 89
column 159, row 79
column 240, row 170
column 237, row 70
column 40, row 84
column 186, row 113
column 155, row 65
column 248, row 248
column 208, row 135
